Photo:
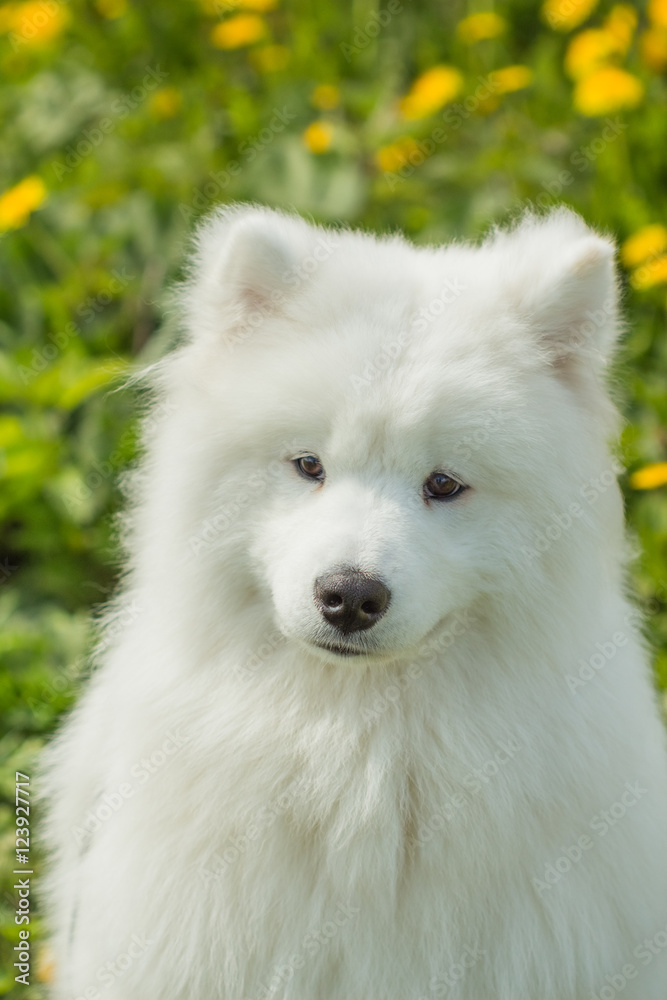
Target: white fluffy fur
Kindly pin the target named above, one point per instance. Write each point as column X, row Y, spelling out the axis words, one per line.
column 373, row 827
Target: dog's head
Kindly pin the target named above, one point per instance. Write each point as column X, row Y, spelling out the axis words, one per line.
column 374, row 437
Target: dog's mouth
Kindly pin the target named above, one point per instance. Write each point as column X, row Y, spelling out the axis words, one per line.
column 341, row 649
column 341, row 646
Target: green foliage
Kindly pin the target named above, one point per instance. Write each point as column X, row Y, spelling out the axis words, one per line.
column 137, row 121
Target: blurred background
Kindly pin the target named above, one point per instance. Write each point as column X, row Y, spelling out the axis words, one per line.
column 124, row 122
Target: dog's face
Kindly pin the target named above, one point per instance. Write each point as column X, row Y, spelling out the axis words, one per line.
column 397, row 434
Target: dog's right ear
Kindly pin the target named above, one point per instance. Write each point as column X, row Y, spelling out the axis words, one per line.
column 245, row 270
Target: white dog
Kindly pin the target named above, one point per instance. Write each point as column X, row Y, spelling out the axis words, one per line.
column 372, row 718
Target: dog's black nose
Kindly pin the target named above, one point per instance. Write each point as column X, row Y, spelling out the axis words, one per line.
column 351, row 600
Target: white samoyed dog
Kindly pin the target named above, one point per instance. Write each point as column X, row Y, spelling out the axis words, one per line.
column 372, row 718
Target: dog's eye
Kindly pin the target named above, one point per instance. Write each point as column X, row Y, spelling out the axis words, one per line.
column 440, row 486
column 310, row 467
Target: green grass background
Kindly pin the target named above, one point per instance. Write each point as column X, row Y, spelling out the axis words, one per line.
column 83, row 282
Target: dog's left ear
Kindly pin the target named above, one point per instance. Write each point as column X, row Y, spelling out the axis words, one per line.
column 563, row 284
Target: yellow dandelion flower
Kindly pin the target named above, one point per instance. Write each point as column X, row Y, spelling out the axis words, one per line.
column 391, row 158
column 646, row 242
column 270, row 58
column 239, row 30
column 564, row 15
column 18, row 202
column 649, row 477
column 479, row 26
column 653, row 48
column 657, row 12
column 588, row 51
column 325, row 96
column 606, row 90
column 430, row 91
column 38, row 22
column 111, row 8
column 510, row 78
column 317, row 137
column 653, row 272
column 621, row 23
column 166, row 102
